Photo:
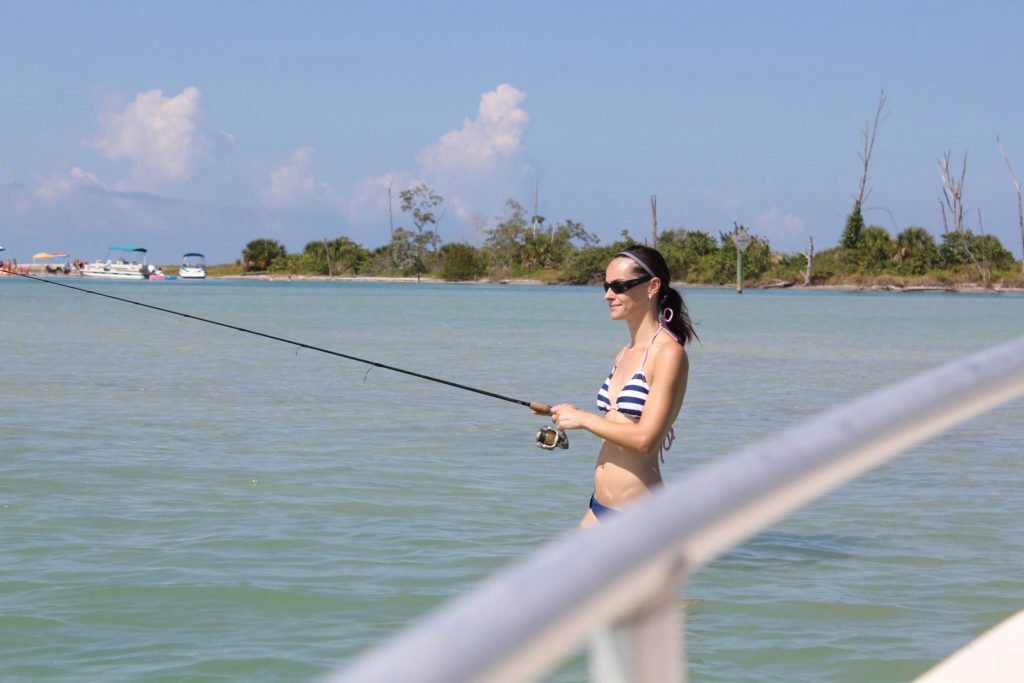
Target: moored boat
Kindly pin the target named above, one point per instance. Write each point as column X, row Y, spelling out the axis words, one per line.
column 122, row 263
column 193, row 266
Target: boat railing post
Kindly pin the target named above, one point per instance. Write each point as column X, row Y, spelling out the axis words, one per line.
column 645, row 646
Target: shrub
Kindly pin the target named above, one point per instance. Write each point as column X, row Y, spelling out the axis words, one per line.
column 259, row 254
column 461, row 262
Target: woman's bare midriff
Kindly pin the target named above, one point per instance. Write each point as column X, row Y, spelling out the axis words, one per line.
column 622, row 475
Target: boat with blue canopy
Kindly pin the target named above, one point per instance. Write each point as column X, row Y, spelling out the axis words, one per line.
column 122, row 263
column 193, row 266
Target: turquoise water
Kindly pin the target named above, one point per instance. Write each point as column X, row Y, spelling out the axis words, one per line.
column 181, row 501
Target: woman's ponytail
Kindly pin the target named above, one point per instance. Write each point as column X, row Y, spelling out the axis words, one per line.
column 674, row 315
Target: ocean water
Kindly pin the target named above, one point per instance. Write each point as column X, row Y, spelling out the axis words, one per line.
column 180, row 501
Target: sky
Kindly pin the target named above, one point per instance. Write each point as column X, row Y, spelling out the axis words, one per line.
column 199, row 126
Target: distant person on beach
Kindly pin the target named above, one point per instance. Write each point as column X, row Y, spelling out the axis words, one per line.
column 643, row 394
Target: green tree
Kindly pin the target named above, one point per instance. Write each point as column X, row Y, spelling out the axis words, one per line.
column 586, row 266
column 719, row 266
column 461, row 262
column 875, row 251
column 504, row 242
column 998, row 256
column 336, row 257
column 260, row 253
column 828, row 264
column 960, row 250
column 550, row 247
column 520, row 246
column 684, row 250
column 421, row 203
column 379, row 261
column 851, row 238
column 347, row 255
column 406, row 256
column 916, row 252
column 291, row 263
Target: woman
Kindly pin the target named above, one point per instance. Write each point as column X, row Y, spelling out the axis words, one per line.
column 644, row 391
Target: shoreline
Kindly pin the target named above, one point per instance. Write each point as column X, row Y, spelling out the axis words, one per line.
column 965, row 288
column 782, row 285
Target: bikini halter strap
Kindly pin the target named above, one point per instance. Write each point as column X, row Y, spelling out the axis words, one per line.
column 661, row 328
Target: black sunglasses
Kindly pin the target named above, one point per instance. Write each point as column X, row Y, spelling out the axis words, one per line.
column 620, row 286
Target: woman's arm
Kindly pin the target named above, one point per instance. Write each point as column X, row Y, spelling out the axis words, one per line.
column 667, row 388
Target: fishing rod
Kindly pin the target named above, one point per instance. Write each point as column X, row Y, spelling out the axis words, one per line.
column 547, row 437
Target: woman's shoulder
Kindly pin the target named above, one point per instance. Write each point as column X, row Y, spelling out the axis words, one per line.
column 671, row 367
column 670, row 353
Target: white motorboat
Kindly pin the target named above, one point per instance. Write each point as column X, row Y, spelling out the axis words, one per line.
column 122, row 263
column 193, row 266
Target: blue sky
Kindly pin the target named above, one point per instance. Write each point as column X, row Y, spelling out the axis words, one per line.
column 199, row 126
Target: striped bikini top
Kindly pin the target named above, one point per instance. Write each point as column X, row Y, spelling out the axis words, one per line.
column 633, row 394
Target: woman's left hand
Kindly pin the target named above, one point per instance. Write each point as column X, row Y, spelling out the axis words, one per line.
column 567, row 416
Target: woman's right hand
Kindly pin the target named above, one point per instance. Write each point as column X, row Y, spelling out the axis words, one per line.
column 567, row 416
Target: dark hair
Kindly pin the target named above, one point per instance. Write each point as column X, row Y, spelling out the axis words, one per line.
column 648, row 260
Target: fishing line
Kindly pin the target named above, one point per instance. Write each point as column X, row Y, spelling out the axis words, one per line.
column 540, row 408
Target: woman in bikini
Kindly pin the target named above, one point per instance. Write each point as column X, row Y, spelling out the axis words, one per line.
column 643, row 394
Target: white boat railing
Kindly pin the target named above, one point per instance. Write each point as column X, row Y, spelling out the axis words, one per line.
column 619, row 584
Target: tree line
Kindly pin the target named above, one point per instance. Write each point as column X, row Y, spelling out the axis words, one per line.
column 522, row 245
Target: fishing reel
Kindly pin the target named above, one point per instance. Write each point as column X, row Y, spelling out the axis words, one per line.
column 550, row 438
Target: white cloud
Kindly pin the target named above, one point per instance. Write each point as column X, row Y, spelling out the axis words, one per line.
column 478, row 166
column 157, row 134
column 475, row 168
column 495, row 135
column 293, row 181
column 775, row 222
column 465, row 213
column 55, row 188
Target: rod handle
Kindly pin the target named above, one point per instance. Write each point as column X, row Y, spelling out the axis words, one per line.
column 540, row 408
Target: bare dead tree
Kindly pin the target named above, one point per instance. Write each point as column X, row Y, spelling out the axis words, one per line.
column 868, row 136
column 984, row 263
column 892, row 218
column 809, row 255
column 654, row 221
column 1016, row 186
column 391, row 212
column 952, row 200
column 479, row 224
column 951, row 205
column 327, row 255
column 851, row 238
column 536, row 202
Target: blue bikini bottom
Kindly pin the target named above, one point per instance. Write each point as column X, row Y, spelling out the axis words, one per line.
column 598, row 509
